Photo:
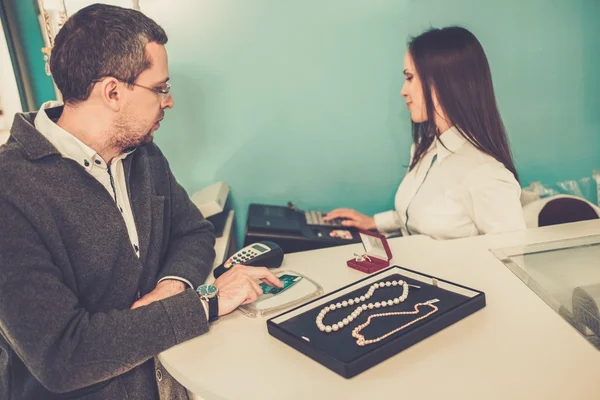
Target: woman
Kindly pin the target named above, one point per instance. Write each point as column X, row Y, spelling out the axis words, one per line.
column 461, row 180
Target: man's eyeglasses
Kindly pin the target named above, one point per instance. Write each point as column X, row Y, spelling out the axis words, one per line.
column 164, row 91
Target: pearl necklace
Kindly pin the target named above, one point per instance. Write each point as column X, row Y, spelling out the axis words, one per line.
column 354, row 314
column 360, row 339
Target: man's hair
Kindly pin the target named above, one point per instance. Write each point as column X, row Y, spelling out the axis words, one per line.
column 99, row 41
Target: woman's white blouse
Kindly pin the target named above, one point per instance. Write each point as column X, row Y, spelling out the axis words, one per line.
column 455, row 191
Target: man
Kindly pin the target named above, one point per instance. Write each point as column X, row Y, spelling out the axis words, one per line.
column 101, row 248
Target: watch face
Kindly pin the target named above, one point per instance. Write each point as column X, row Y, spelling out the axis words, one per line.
column 208, row 290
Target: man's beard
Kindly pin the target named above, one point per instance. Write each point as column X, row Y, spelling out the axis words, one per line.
column 126, row 135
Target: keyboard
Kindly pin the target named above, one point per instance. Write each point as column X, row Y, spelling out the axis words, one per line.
column 315, row 218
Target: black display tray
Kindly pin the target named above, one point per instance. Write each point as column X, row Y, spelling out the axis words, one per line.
column 339, row 352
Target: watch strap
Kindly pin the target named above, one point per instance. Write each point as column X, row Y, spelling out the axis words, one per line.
column 213, row 308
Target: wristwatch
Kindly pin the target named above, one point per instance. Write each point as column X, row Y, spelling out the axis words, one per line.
column 210, row 293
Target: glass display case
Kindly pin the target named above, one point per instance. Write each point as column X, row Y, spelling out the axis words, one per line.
column 566, row 275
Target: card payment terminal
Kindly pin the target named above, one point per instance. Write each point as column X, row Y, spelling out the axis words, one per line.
column 260, row 254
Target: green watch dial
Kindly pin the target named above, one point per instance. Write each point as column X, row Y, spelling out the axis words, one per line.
column 207, row 290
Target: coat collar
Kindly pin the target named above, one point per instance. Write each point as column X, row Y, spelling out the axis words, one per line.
column 34, row 144
column 38, row 146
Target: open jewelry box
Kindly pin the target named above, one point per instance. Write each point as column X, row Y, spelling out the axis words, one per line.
column 363, row 339
column 377, row 253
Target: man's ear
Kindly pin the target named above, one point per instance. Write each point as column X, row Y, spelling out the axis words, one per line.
column 112, row 93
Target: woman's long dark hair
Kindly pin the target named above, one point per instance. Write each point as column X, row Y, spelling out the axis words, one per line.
column 452, row 61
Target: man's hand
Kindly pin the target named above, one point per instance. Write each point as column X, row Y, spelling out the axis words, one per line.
column 238, row 286
column 166, row 288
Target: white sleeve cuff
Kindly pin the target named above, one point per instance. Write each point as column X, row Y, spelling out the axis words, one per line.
column 177, row 278
column 388, row 222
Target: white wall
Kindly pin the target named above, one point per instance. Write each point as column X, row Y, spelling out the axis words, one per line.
column 10, row 101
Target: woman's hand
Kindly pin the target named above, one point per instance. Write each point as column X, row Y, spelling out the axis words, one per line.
column 352, row 218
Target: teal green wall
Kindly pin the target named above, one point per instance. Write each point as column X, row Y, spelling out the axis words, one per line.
column 31, row 34
column 300, row 100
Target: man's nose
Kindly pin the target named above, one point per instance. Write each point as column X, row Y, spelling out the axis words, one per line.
column 168, row 101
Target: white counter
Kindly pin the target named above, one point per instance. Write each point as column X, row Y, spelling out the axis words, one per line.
column 515, row 348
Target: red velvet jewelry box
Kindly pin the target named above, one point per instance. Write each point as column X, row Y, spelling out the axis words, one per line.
column 377, row 253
